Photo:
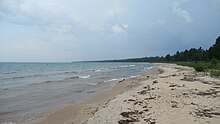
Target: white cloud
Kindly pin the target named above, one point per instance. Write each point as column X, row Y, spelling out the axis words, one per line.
column 182, row 13
column 63, row 16
column 61, row 28
column 125, row 25
column 119, row 28
column 37, row 12
column 115, row 10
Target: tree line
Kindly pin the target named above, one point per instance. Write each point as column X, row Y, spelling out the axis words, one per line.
column 192, row 54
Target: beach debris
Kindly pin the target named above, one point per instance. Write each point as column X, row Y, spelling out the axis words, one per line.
column 206, row 113
column 130, row 117
column 185, row 95
column 216, row 87
column 206, row 82
column 130, row 114
column 188, row 78
column 160, row 70
column 142, row 92
column 207, row 93
column 173, row 85
column 146, row 110
column 127, row 121
column 152, row 89
column 150, row 121
column 121, row 80
column 210, row 82
column 155, row 81
column 138, row 102
column 174, row 104
column 147, row 87
column 150, row 98
column 127, row 114
column 174, row 75
column 144, row 106
column 158, row 96
column 163, row 76
column 131, row 100
column 192, row 103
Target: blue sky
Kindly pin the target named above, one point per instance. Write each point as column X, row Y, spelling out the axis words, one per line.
column 71, row 30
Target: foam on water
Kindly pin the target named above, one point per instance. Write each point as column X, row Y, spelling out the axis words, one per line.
column 111, row 80
column 85, row 77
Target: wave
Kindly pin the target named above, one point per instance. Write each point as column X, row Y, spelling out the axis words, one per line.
column 66, row 79
column 150, row 68
column 8, row 72
column 79, row 91
column 134, row 76
column 3, row 89
column 48, row 81
column 74, row 77
column 85, row 77
column 111, row 80
column 8, row 122
column 25, row 76
column 131, row 65
column 77, row 77
column 90, row 91
column 125, row 66
column 93, row 84
column 98, row 70
column 68, row 72
column 37, row 75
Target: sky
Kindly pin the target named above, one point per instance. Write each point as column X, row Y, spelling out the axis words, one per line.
column 77, row 30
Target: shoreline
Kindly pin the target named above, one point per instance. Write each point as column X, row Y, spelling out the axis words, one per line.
column 178, row 95
column 65, row 113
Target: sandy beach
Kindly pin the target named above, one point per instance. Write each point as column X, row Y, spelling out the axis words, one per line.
column 109, row 62
column 179, row 95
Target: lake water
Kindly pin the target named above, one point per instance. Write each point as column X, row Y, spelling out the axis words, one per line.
column 28, row 88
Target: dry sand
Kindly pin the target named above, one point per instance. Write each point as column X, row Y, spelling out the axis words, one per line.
column 179, row 95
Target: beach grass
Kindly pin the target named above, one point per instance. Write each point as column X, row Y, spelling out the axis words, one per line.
column 212, row 67
column 160, row 70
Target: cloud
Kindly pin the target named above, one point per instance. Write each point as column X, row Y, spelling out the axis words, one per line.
column 61, row 28
column 182, row 13
column 36, row 12
column 125, row 25
column 115, row 10
column 119, row 28
column 67, row 30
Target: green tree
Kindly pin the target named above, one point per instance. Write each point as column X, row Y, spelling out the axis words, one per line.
column 216, row 49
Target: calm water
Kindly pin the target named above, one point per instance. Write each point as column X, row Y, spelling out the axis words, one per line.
column 28, row 88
